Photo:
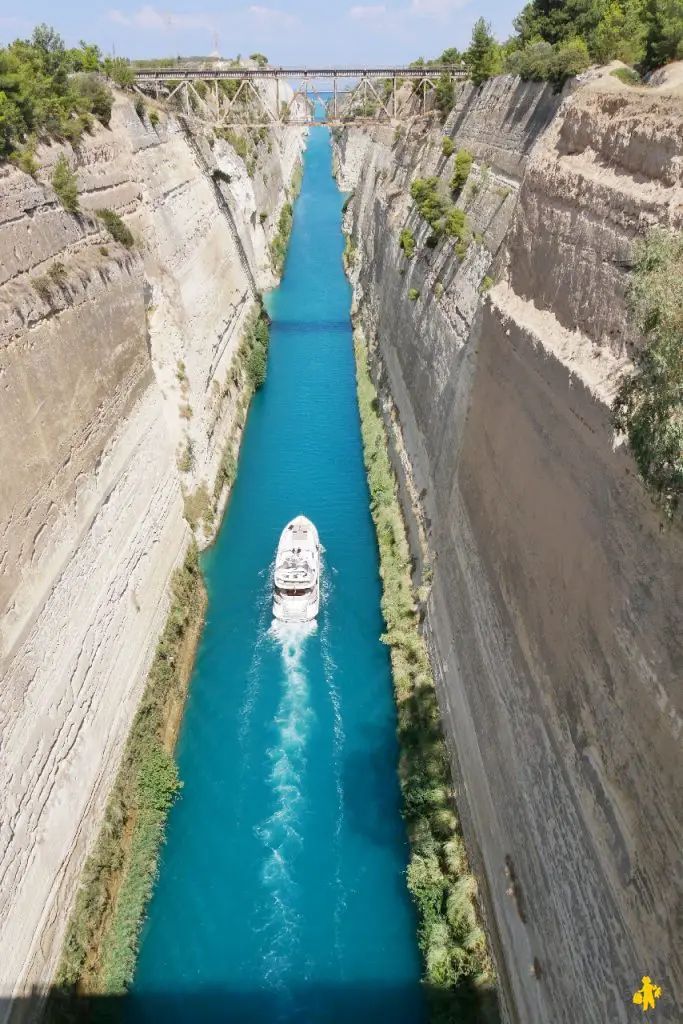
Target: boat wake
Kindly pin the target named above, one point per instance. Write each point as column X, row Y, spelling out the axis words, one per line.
column 252, row 689
column 330, row 670
column 280, row 833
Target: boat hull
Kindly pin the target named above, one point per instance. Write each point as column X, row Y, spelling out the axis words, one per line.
column 296, row 582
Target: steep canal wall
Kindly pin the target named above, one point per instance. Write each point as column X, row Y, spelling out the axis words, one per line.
column 554, row 615
column 119, row 394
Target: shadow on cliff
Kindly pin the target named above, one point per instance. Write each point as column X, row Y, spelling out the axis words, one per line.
column 359, row 1003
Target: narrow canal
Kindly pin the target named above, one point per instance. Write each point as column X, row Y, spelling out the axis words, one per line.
column 281, row 895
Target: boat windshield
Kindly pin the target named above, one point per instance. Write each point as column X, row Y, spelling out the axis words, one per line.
column 293, row 593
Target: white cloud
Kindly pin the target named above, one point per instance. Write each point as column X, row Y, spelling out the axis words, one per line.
column 367, row 13
column 151, row 19
column 390, row 17
column 270, row 16
column 437, row 9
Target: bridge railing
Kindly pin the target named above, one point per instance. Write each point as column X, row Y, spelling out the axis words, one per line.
column 194, row 72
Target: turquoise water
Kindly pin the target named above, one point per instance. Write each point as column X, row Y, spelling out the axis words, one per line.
column 281, row 895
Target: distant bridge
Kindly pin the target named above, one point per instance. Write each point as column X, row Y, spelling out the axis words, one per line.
column 362, row 101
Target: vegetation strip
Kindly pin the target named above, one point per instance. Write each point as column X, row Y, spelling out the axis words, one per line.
column 458, row 972
column 246, row 374
column 279, row 245
column 100, row 948
column 648, row 406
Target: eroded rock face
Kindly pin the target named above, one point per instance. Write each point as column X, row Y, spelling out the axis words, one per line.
column 555, row 618
column 102, row 352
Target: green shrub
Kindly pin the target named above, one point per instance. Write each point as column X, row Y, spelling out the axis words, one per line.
column 570, row 59
column 97, row 97
column 533, row 62
column 255, row 348
column 104, row 251
column 456, row 223
column 627, row 75
column 540, row 61
column 447, row 146
column 406, row 242
column 648, row 407
column 429, row 201
column 238, row 142
column 120, row 71
column 349, row 254
column 461, row 171
column 153, row 118
column 198, row 508
column 413, row 294
column 42, row 287
column 227, row 470
column 116, row 227
column 57, row 272
column 47, row 91
column 461, row 247
column 445, row 94
column 65, row 184
column 25, row 159
column 438, row 289
column 486, row 285
column 279, row 245
column 186, row 459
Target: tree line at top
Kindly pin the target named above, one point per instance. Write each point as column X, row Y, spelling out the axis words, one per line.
column 555, row 39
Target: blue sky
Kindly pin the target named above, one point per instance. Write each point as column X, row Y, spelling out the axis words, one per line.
column 289, row 31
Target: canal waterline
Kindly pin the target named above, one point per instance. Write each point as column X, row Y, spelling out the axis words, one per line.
column 281, row 894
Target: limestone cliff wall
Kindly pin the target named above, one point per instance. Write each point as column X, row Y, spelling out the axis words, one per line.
column 555, row 616
column 111, row 360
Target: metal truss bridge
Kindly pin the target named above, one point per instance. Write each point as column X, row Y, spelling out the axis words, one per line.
column 359, row 99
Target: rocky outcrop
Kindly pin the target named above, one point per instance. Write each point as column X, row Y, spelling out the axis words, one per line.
column 114, row 401
column 554, row 618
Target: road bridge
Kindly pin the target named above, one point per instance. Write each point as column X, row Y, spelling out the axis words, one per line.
column 368, row 93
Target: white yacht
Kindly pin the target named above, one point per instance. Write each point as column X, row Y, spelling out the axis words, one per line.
column 296, row 583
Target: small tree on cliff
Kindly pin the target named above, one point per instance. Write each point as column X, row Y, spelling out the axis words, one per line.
column 483, row 58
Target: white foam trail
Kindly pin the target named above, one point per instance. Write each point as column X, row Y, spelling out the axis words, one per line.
column 329, row 668
column 280, row 833
column 252, row 689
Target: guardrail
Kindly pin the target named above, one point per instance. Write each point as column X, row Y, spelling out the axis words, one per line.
column 189, row 73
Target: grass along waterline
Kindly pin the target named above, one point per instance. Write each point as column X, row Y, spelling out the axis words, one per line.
column 457, row 967
column 100, row 946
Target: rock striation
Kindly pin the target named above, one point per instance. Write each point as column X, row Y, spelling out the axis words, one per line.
column 113, row 362
column 555, row 617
